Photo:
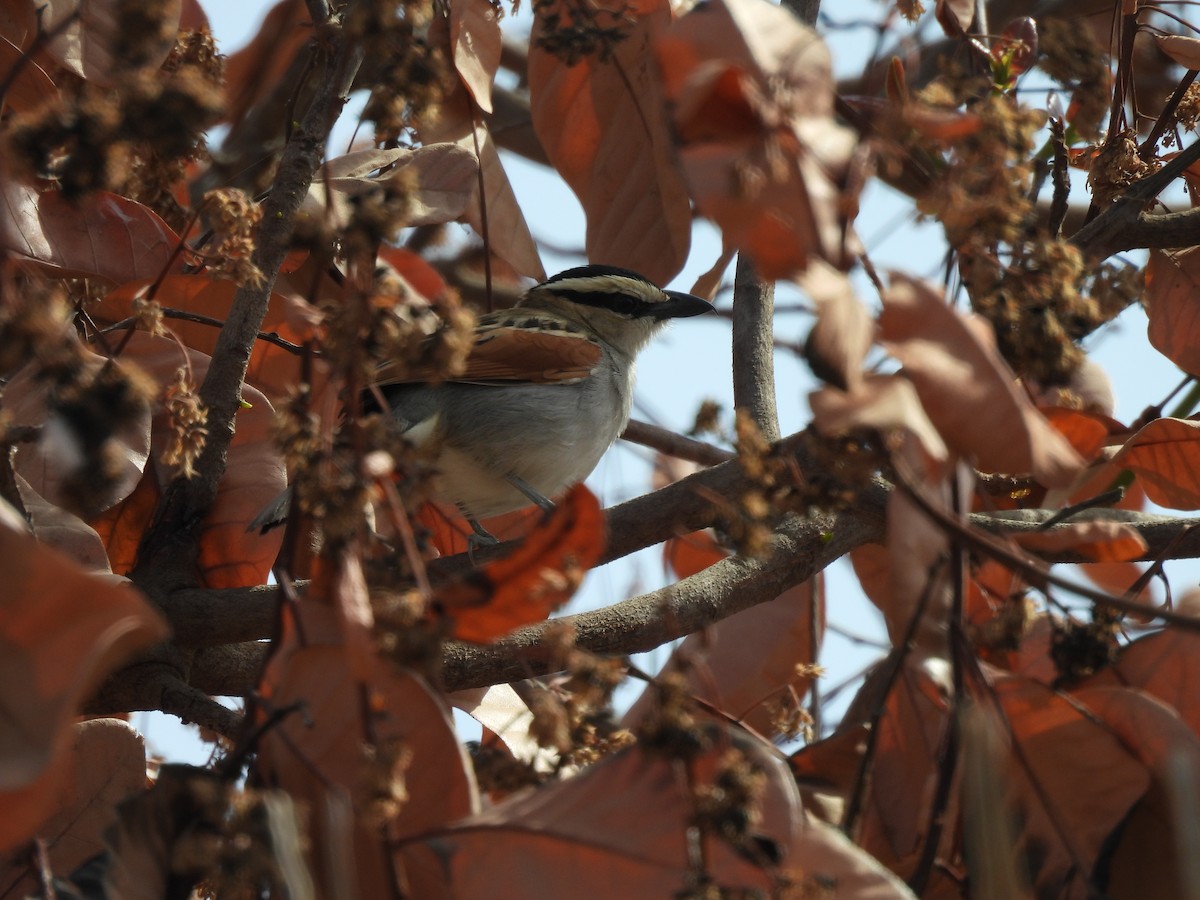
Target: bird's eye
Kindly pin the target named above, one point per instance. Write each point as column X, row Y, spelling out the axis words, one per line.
column 622, row 303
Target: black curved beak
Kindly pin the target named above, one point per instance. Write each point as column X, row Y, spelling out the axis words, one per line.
column 679, row 306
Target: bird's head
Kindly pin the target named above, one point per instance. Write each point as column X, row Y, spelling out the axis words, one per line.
column 618, row 305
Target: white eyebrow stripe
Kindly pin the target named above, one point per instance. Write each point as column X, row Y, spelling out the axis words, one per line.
column 616, row 284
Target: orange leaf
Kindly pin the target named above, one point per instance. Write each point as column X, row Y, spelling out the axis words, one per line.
column 1073, row 783
column 557, row 840
column 1165, row 455
column 1086, row 432
column 254, row 472
column 101, row 235
column 62, row 632
column 603, row 125
column 272, row 369
column 536, row 579
column 1095, row 541
column 1172, row 281
column 693, row 553
column 121, row 527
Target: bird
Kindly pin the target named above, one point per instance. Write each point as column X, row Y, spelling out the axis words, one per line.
column 547, row 389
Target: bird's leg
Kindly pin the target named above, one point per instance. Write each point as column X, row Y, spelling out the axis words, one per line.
column 534, row 495
column 480, row 537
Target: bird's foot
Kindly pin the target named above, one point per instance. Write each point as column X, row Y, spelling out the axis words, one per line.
column 479, row 538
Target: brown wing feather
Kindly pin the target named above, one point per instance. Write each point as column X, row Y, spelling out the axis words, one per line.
column 527, row 348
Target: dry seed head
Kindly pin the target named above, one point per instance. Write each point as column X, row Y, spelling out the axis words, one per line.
column 187, row 421
column 1117, row 165
column 234, row 218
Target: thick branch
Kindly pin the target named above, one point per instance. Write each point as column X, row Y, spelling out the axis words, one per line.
column 801, row 548
column 156, row 687
column 1143, row 231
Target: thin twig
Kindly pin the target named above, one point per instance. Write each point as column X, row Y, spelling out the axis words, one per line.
column 183, row 315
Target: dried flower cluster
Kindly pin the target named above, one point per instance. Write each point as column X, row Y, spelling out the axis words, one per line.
column 1071, row 56
column 1116, row 166
column 982, row 197
column 412, row 70
column 574, row 715
column 134, row 136
column 187, row 419
column 1037, row 311
column 575, row 30
column 234, row 219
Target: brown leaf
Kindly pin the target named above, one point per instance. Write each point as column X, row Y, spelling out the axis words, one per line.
column 496, row 217
column 62, row 632
column 87, row 44
column 896, row 812
column 536, row 578
column 577, row 838
column 102, row 235
column 55, row 459
column 603, row 124
column 1181, row 49
column 438, row 182
column 358, row 741
column 884, row 403
column 752, row 92
column 32, row 87
column 475, row 37
column 746, row 665
column 1096, row 541
column 105, row 763
column 843, row 333
column 968, row 390
column 1172, row 281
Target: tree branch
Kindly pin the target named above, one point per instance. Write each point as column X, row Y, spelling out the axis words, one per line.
column 170, row 544
column 1123, row 225
column 673, row 444
column 753, row 349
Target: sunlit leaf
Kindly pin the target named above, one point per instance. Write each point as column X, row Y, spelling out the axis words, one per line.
column 602, row 122
column 537, row 578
